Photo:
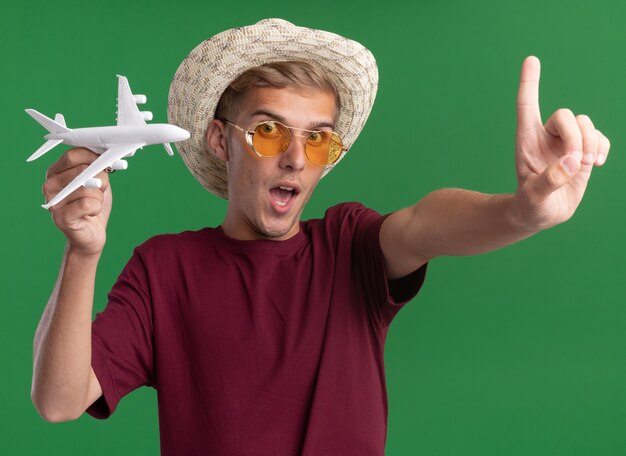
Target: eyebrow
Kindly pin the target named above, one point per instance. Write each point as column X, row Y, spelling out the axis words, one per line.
column 274, row 116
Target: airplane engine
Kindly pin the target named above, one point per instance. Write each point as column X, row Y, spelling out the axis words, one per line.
column 93, row 183
column 140, row 99
column 119, row 164
column 147, row 115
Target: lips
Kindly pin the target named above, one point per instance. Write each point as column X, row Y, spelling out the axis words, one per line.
column 282, row 197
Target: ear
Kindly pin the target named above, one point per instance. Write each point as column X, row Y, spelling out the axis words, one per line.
column 216, row 139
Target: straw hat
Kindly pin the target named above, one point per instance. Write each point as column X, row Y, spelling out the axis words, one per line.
column 208, row 70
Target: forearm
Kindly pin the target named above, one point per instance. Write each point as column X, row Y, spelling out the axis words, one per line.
column 62, row 347
column 462, row 222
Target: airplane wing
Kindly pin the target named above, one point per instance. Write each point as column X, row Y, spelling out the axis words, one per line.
column 127, row 111
column 101, row 163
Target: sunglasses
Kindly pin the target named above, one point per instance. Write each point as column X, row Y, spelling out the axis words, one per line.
column 271, row 138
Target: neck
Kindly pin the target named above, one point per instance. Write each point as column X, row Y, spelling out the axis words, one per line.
column 246, row 230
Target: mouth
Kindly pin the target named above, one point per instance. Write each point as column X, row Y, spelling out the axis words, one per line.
column 282, row 197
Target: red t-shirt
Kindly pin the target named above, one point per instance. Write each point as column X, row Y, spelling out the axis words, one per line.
column 257, row 347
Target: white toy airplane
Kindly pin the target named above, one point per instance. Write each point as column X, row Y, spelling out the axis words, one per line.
column 112, row 143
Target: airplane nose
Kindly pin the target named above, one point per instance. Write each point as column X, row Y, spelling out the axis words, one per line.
column 184, row 134
column 181, row 134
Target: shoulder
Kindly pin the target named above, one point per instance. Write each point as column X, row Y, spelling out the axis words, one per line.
column 344, row 221
column 352, row 215
column 346, row 212
column 176, row 243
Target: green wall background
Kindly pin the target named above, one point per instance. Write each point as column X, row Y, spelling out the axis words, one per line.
column 517, row 352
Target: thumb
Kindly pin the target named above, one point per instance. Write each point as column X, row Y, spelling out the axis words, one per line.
column 555, row 176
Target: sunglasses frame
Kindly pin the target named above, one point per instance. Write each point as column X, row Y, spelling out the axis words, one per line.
column 249, row 135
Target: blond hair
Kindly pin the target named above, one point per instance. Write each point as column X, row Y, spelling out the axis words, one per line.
column 277, row 75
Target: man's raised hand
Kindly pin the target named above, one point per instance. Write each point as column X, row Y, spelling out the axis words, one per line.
column 83, row 215
column 553, row 161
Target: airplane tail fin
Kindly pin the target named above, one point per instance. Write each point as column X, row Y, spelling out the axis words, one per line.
column 168, row 148
column 58, row 118
column 53, row 126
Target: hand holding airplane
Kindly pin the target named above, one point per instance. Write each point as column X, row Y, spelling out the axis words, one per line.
column 113, row 143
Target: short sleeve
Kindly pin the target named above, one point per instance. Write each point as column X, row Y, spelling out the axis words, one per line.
column 387, row 297
column 122, row 344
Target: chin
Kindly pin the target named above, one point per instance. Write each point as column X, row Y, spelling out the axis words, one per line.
column 279, row 233
column 279, row 229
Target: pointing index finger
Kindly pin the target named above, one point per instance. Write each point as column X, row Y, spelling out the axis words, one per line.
column 528, row 114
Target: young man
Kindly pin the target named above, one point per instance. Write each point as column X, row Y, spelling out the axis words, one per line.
column 265, row 335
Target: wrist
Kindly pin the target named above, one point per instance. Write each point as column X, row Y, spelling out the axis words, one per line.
column 519, row 216
column 81, row 254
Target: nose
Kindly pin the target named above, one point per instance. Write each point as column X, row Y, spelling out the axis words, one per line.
column 294, row 157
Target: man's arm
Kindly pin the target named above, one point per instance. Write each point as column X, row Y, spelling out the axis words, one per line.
column 553, row 164
column 64, row 383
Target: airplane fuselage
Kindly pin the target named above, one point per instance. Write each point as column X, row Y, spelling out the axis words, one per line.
column 99, row 139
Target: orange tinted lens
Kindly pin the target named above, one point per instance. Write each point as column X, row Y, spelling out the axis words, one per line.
column 323, row 148
column 335, row 148
column 270, row 139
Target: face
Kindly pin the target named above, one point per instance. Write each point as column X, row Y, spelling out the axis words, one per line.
column 266, row 195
